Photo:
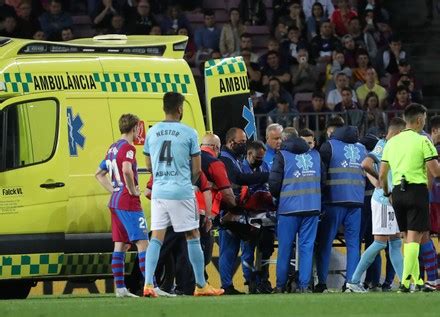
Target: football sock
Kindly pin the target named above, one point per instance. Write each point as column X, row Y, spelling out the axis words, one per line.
column 197, row 261
column 151, row 259
column 141, row 257
column 429, row 260
column 118, row 261
column 366, row 259
column 395, row 247
column 410, row 260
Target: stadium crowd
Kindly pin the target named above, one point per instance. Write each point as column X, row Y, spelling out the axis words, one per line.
column 328, row 66
column 322, row 56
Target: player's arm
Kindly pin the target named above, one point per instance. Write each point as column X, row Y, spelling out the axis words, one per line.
column 368, row 166
column 127, row 170
column 101, row 176
column 196, row 167
column 383, row 176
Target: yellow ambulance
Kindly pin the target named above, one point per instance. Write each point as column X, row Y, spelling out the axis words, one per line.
column 59, row 110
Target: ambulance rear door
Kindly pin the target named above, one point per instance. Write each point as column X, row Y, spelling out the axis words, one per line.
column 227, row 96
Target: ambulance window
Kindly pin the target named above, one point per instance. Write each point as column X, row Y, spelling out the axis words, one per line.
column 31, row 131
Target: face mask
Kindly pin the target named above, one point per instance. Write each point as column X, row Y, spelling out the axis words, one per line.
column 257, row 163
column 239, row 148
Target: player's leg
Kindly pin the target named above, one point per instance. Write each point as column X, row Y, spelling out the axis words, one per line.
column 327, row 229
column 184, row 217
column 352, row 223
column 286, row 231
column 429, row 260
column 121, row 241
column 379, row 218
column 395, row 254
column 307, row 236
column 160, row 220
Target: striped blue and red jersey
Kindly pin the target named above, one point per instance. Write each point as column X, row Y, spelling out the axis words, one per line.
column 117, row 154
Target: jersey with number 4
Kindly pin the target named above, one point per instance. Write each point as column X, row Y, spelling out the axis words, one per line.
column 118, row 153
column 170, row 146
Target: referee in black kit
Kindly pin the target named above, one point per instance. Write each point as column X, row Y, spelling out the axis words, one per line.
column 409, row 155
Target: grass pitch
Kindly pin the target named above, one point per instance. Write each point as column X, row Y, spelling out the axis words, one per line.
column 333, row 304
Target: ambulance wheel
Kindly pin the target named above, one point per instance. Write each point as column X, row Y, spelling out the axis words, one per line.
column 15, row 289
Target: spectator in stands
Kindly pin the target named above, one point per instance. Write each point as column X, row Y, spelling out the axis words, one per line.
column 6, row 10
column 282, row 114
column 253, row 12
column 392, row 56
column 402, row 99
column 173, row 20
column 280, row 32
column 272, row 46
column 103, row 13
column 117, row 25
column 375, row 116
column 371, row 85
column 246, row 44
column 53, row 21
column 39, row 35
column 190, row 50
column 275, row 69
column 253, row 72
column 404, row 69
column 338, row 65
column 317, row 121
column 360, row 72
column 371, row 26
column 207, row 38
column 295, row 18
column 67, row 34
column 341, row 17
column 346, row 102
column 408, row 82
column 379, row 13
column 362, row 39
column 280, row 8
column 155, row 30
column 291, row 47
column 315, row 19
column 355, row 115
column 304, row 75
column 324, row 44
column 11, row 28
column 349, row 50
column 274, row 93
column 142, row 20
column 326, row 7
column 27, row 20
column 335, row 96
column 231, row 32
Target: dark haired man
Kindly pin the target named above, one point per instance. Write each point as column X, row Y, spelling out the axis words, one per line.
column 173, row 155
column 410, row 196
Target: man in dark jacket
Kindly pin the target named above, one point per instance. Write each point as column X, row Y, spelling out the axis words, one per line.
column 295, row 180
column 232, row 155
column 343, row 199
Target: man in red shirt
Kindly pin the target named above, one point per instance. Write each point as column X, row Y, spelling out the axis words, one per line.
column 341, row 17
column 128, row 220
column 215, row 172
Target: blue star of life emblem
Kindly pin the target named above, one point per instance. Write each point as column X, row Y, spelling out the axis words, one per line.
column 74, row 124
column 248, row 115
column 352, row 153
column 304, row 162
